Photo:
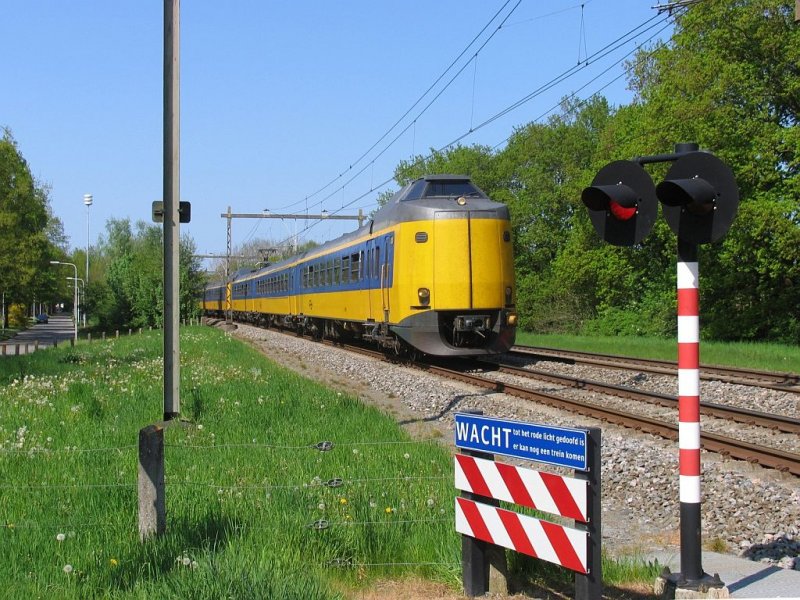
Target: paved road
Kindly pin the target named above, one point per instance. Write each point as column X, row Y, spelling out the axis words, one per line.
column 60, row 329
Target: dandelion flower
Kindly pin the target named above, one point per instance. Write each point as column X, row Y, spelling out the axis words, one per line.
column 114, row 562
column 61, row 537
column 388, row 510
column 194, row 564
column 430, row 501
column 342, row 501
column 355, row 450
column 406, row 456
column 186, row 561
column 67, row 569
column 321, row 506
column 200, row 427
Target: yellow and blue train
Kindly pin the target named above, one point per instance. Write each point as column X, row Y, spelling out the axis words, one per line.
column 432, row 272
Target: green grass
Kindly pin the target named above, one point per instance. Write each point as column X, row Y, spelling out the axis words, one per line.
column 770, row 357
column 243, row 483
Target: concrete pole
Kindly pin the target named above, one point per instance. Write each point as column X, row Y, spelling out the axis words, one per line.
column 172, row 403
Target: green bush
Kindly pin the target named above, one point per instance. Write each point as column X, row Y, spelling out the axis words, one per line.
column 17, row 316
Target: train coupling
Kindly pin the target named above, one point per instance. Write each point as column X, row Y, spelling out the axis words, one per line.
column 476, row 323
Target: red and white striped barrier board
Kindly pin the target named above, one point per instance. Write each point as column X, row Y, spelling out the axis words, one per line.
column 547, row 541
column 547, row 492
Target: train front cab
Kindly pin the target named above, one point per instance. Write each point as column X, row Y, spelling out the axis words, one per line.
column 460, row 283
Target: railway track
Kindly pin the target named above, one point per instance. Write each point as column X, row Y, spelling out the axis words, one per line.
column 741, row 450
column 762, row 455
column 784, row 382
column 731, row 413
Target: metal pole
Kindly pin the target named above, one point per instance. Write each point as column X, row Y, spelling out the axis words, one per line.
column 689, row 409
column 171, row 204
column 75, row 308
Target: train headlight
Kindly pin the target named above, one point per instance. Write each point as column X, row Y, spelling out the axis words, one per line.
column 508, row 294
column 511, row 319
column 461, row 200
column 424, row 296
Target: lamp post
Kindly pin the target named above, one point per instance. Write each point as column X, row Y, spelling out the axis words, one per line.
column 75, row 301
column 87, row 200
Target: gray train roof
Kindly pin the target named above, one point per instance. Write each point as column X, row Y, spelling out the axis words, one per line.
column 416, row 201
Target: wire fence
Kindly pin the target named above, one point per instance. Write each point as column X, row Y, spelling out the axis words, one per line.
column 377, row 513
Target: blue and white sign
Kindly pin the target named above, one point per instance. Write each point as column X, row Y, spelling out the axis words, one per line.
column 552, row 445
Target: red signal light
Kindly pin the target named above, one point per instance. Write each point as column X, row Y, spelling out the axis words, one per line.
column 622, row 213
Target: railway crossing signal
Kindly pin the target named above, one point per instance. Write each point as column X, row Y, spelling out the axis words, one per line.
column 622, row 203
column 700, row 197
column 700, row 200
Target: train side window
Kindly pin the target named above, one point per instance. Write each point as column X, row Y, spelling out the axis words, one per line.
column 329, row 271
column 345, row 269
column 377, row 264
column 337, row 270
column 355, row 266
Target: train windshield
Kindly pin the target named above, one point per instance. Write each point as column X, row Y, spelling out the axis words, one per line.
column 441, row 188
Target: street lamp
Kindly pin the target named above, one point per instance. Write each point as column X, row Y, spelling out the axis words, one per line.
column 75, row 301
column 87, row 200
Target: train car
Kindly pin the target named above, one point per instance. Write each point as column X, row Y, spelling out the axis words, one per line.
column 431, row 273
column 215, row 299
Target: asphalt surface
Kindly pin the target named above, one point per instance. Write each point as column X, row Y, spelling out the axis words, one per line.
column 59, row 329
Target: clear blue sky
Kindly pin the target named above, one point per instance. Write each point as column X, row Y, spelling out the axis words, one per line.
column 279, row 98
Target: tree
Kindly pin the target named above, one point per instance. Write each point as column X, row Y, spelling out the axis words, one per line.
column 29, row 234
column 132, row 292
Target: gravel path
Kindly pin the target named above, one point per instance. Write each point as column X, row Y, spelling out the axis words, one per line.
column 751, row 511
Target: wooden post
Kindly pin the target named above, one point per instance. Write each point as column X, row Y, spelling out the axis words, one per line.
column 89, row 337
column 130, row 332
column 36, row 345
column 55, row 342
column 104, row 336
column 116, row 333
column 72, row 342
column 5, row 346
column 16, row 349
column 152, row 505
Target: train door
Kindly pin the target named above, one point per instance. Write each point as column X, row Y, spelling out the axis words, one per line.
column 384, row 263
column 292, row 291
column 371, row 279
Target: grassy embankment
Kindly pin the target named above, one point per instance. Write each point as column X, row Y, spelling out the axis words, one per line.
column 770, row 357
column 243, row 483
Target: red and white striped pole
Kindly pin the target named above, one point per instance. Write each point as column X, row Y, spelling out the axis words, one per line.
column 689, row 408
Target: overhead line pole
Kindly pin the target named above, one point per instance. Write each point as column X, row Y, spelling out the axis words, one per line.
column 172, row 403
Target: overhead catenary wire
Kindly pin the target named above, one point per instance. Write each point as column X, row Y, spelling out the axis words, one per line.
column 411, row 108
column 609, row 48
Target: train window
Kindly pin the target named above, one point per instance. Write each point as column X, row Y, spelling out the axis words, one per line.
column 345, row 269
column 415, row 192
column 450, row 188
column 377, row 269
column 337, row 270
column 329, row 272
column 355, row 266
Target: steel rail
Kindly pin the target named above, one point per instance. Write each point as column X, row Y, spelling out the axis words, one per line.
column 762, row 455
column 720, row 411
column 784, row 382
